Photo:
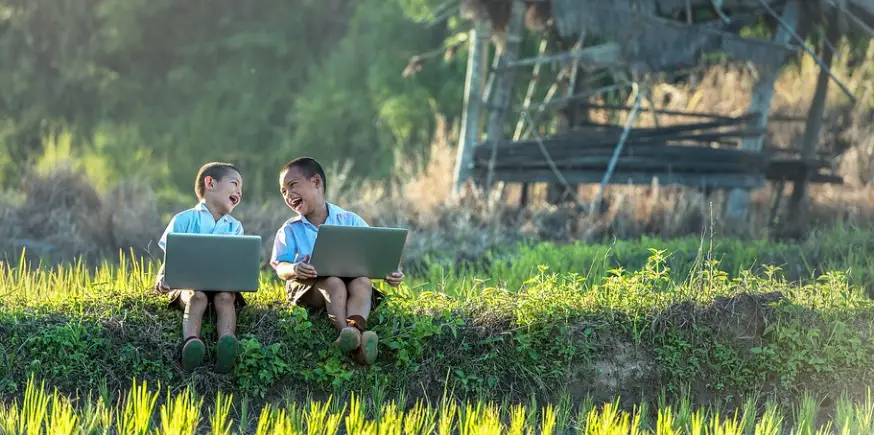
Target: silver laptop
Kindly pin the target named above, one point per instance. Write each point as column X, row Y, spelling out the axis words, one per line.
column 350, row 252
column 212, row 262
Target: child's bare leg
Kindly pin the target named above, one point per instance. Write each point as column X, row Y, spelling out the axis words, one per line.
column 226, row 322
column 194, row 303
column 335, row 295
column 360, row 292
column 334, row 291
column 226, row 314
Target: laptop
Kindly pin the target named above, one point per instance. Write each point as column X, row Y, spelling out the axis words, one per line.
column 350, row 252
column 212, row 262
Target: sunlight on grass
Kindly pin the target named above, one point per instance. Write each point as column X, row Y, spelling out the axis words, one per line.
column 499, row 346
column 179, row 413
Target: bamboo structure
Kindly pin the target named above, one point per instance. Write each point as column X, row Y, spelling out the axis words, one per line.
column 638, row 38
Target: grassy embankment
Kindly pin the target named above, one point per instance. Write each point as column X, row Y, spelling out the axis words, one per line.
column 709, row 323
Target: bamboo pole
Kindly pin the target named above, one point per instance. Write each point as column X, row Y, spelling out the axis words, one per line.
column 504, row 84
column 596, row 203
column 814, row 122
column 738, row 201
column 479, row 38
column 529, row 95
column 532, row 86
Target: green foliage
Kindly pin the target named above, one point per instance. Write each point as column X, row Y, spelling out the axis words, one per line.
column 259, row 366
column 841, row 248
column 358, row 102
column 155, row 89
column 680, row 323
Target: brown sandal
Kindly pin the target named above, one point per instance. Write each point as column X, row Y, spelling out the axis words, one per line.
column 350, row 336
column 367, row 351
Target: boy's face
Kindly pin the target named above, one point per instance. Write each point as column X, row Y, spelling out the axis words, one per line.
column 224, row 194
column 301, row 194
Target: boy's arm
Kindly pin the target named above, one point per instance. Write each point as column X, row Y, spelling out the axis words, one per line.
column 283, row 256
column 160, row 287
column 285, row 270
column 300, row 270
column 360, row 222
column 176, row 225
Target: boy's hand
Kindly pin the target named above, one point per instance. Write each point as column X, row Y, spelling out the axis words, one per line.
column 160, row 287
column 394, row 279
column 304, row 270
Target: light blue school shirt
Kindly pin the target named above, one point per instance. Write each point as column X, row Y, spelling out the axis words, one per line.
column 296, row 237
column 198, row 219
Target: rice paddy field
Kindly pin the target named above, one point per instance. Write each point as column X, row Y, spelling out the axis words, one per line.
column 697, row 335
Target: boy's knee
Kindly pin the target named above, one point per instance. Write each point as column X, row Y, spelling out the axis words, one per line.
column 224, row 299
column 334, row 287
column 360, row 285
column 198, row 298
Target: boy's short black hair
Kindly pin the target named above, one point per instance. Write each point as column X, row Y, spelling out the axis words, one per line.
column 310, row 167
column 217, row 170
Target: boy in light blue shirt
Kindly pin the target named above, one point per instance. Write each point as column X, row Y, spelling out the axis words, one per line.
column 219, row 187
column 347, row 301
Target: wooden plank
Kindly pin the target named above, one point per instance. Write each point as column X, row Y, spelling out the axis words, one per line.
column 634, row 164
column 591, row 177
column 600, row 56
column 826, row 179
column 703, row 140
column 671, row 7
column 655, row 159
column 662, row 149
column 614, row 131
column 793, row 171
column 593, row 141
column 693, row 114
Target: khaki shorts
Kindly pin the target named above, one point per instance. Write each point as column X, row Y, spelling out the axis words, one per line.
column 174, row 295
column 295, row 290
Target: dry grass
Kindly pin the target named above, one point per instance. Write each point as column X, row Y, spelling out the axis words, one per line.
column 60, row 215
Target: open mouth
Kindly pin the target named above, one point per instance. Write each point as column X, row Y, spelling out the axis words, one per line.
column 235, row 199
column 295, row 203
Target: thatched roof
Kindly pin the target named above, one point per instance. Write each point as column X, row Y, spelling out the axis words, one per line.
column 651, row 42
column 657, row 44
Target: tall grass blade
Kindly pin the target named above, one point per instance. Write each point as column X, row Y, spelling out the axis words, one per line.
column 180, row 415
column 219, row 420
column 63, row 419
column 136, row 418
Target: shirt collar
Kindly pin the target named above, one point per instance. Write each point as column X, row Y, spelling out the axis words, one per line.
column 201, row 207
column 300, row 218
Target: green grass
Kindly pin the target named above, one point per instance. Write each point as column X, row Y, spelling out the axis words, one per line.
column 841, row 248
column 710, row 327
column 138, row 412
